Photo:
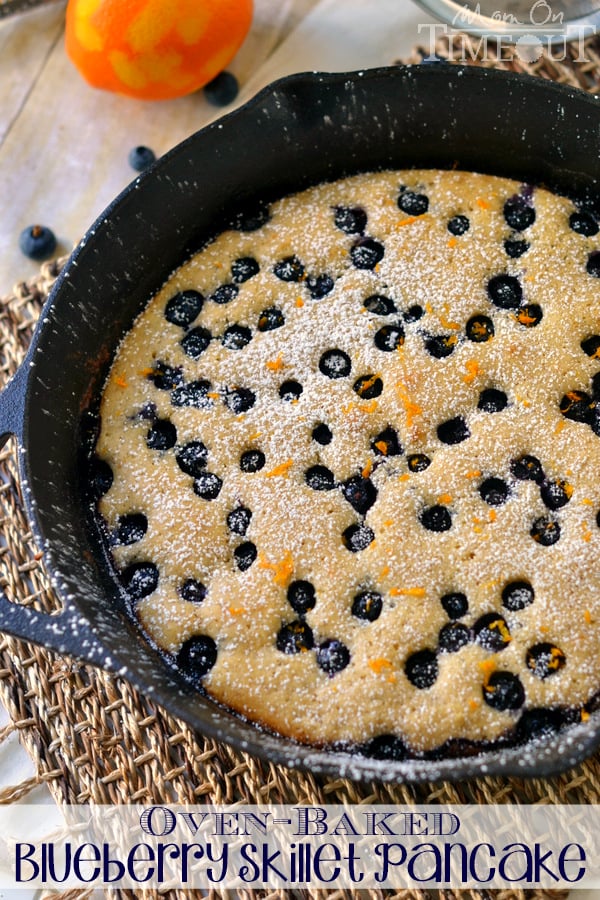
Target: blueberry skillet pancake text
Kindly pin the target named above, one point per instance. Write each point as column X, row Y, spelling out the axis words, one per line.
column 349, row 464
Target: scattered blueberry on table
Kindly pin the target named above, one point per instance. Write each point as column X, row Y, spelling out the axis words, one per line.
column 141, row 157
column 37, row 242
column 222, row 90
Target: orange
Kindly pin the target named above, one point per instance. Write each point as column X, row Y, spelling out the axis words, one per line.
column 154, row 49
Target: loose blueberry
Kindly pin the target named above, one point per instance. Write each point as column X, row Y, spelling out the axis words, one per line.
column 243, row 269
column 387, row 443
column 436, row 518
column 492, row 400
column 360, row 493
column 236, row 337
column 544, row 660
column 193, row 590
column 192, row 457
column 335, row 364
column 529, row 315
column 503, row 691
column 101, row 477
column 319, row 286
column 385, row 746
column 367, row 605
column 591, row 346
column 458, row 225
column 270, row 319
column 140, row 579
column 320, row 478
column 494, row 491
column 357, row 537
column 350, row 219
column 321, row 433
column 366, row 253
column 37, row 242
column 131, row 528
column 576, row 405
column 207, row 485
column 290, row 390
column 239, row 400
column 505, row 291
column 389, row 338
column 519, row 214
column 295, row 637
column 162, row 435
column 368, row 386
column 418, row 462
column 545, row 531
column 244, row 555
column 593, row 264
column 453, row 431
column 195, row 342
column 491, row 631
column 165, row 377
column 515, row 249
column 453, row 636
column 517, row 595
column 183, row 308
column 455, row 604
column 556, row 494
column 225, row 293
column 332, row 656
column 440, row 345
column 222, row 90
column 238, row 520
column 301, row 597
column 379, row 305
column 252, row 217
column 412, row 203
column 480, row 329
column 194, row 394
column 583, row 223
column 289, row 269
column 421, row 669
column 252, row 461
column 197, row 656
column 141, row 158
column 527, row 468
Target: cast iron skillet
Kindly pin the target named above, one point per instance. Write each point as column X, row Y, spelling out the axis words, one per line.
column 300, row 131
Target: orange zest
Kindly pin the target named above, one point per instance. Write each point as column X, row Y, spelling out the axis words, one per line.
column 407, row 592
column 281, row 470
column 282, row 570
column 121, row 381
column 473, row 370
column 275, row 365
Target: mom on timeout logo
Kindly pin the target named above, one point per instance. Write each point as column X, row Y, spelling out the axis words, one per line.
column 534, row 29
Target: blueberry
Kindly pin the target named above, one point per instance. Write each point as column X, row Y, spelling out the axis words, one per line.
column 529, row 315
column 319, row 286
column 332, row 656
column 539, row 723
column 357, row 537
column 321, row 433
column 458, row 225
column 191, row 458
column 239, row 400
column 289, row 269
column 101, row 477
column 165, row 377
column 514, row 249
column 319, row 478
column 492, row 400
column 335, row 364
column 452, row 637
column 244, row 268
column 360, row 493
column 576, row 405
column 505, row 291
column 545, row 531
column 140, row 579
column 162, row 435
column 453, row 431
column 480, row 329
column 412, row 203
column 414, row 313
column 379, row 305
column 366, row 253
column 440, row 345
column 195, row 342
column 494, row 491
column 295, row 637
column 252, row 461
column 436, row 518
column 197, row 656
column 238, row 520
column 350, row 219
column 421, row 669
column 387, row 443
column 225, row 293
column 367, row 605
column 556, row 494
column 593, row 264
column 207, row 485
column 491, row 631
column 147, row 413
column 222, row 90
column 194, row 394
column 236, row 337
column 141, row 157
column 519, row 214
column 37, row 242
column 385, row 746
column 270, row 319
column 455, row 604
column 244, row 555
column 183, row 308
column 527, row 468
column 591, row 346
column 517, row 595
column 290, row 390
column 252, row 217
column 418, row 462
column 368, row 386
column 583, row 223
column 193, row 590
column 301, row 597
column 503, row 691
column 544, row 659
column 389, row 338
column 131, row 528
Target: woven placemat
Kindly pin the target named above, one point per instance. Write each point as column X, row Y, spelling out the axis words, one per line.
column 94, row 739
